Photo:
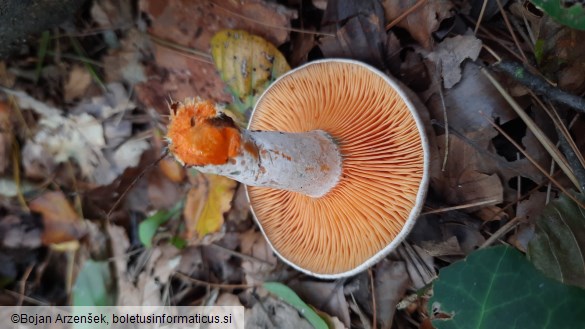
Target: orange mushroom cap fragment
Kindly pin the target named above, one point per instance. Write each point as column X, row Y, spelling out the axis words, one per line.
column 199, row 135
column 384, row 169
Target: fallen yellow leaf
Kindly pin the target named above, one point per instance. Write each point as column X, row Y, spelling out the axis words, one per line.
column 247, row 64
column 207, row 201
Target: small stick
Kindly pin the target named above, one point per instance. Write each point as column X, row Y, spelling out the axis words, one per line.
column 534, row 163
column 150, row 166
column 500, row 232
column 373, row 293
column 539, row 85
column 404, row 14
column 213, row 285
column 463, row 206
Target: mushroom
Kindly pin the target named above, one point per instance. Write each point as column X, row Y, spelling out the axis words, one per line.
column 335, row 159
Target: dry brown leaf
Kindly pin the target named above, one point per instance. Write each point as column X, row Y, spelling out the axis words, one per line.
column 490, row 213
column 161, row 263
column 60, row 222
column 172, row 170
column 5, row 136
column 254, row 244
column 79, row 136
column 128, row 293
column 390, row 284
column 449, row 247
column 124, row 63
column 227, row 299
column 162, row 193
column 530, row 208
column 327, row 297
column 359, row 32
column 274, row 313
column 77, row 83
column 463, row 181
column 20, row 232
column 423, row 21
column 451, row 52
column 523, row 234
column 191, row 24
column 471, row 186
column 463, row 103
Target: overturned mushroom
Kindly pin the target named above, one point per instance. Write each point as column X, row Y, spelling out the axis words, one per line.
column 336, row 162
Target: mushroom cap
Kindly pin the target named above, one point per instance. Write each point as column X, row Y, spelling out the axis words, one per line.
column 384, row 171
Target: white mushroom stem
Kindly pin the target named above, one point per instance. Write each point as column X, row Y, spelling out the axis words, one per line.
column 308, row 163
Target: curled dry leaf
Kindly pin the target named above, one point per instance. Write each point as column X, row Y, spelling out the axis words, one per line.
column 462, row 181
column 192, row 24
column 422, row 22
column 172, row 170
column 390, row 284
column 77, row 83
column 358, row 28
column 80, row 136
column 328, row 297
column 272, row 311
column 61, row 223
column 20, row 232
column 254, row 244
column 5, row 136
column 451, row 52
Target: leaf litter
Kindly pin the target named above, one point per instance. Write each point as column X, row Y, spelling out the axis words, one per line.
column 91, row 144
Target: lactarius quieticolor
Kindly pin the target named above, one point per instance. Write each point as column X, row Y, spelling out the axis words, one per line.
column 335, row 160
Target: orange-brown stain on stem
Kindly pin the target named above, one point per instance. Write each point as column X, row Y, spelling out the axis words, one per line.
column 196, row 138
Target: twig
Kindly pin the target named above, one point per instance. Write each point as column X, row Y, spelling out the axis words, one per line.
column 539, row 85
column 572, row 159
column 500, row 232
column 463, row 206
column 540, row 136
column 509, row 26
column 213, row 285
column 480, row 17
column 241, row 255
column 272, row 26
column 534, row 163
column 199, row 55
column 152, row 165
column 404, row 14
column 373, row 293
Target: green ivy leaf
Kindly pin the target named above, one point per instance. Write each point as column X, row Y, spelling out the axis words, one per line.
column 559, row 241
column 499, row 288
column 569, row 13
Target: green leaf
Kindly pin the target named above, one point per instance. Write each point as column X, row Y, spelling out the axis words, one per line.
column 499, row 288
column 290, row 297
column 559, row 241
column 148, row 227
column 569, row 13
column 247, row 64
column 41, row 53
column 94, row 285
